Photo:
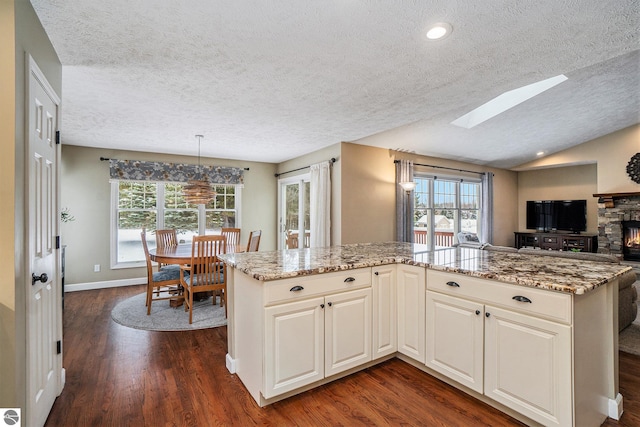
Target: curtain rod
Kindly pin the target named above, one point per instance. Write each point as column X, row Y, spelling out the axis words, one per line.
column 444, row 167
column 103, row 159
column 332, row 160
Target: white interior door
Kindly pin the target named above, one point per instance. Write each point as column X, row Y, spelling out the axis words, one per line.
column 44, row 299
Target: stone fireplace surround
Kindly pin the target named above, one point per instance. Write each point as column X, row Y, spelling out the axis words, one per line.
column 613, row 208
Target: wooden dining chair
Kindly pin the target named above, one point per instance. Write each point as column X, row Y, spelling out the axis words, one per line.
column 205, row 272
column 167, row 237
column 292, row 240
column 233, row 238
column 164, row 238
column 254, row 241
column 163, row 284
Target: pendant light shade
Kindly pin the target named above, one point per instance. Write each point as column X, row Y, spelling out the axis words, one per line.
column 198, row 190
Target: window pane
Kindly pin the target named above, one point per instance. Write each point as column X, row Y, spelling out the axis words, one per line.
column 422, row 199
column 215, row 220
column 173, row 196
column 469, row 220
column 469, row 196
column 444, row 194
column 185, row 222
column 444, row 227
column 136, row 195
column 130, row 224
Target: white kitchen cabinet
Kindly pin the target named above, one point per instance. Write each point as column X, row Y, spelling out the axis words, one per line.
column 509, row 353
column 294, row 345
column 528, row 365
column 411, row 311
column 347, row 320
column 301, row 330
column 308, row 340
column 385, row 330
column 455, row 339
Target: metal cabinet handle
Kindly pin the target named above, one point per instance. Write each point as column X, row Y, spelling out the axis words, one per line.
column 349, row 279
column 376, row 273
column 521, row 298
column 321, row 305
column 41, row 278
column 477, row 312
column 329, row 304
column 454, row 284
column 487, row 314
column 296, row 289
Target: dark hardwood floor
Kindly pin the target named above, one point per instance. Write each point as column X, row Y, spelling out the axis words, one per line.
column 117, row 376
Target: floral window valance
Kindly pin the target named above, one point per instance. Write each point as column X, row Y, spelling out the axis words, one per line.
column 136, row 170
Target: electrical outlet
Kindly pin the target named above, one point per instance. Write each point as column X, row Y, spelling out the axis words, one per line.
column 96, row 268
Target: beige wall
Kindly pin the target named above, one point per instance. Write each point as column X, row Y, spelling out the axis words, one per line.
column 20, row 32
column 369, row 192
column 86, row 191
column 597, row 166
column 566, row 183
column 332, row 151
column 611, row 153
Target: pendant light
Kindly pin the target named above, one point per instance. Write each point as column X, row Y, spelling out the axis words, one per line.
column 198, row 191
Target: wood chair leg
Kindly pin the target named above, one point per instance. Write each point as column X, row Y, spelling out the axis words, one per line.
column 149, row 299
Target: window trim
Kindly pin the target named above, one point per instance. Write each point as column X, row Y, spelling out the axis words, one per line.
column 458, row 179
column 160, row 199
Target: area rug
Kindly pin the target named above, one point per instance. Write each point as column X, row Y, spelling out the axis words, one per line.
column 629, row 338
column 132, row 312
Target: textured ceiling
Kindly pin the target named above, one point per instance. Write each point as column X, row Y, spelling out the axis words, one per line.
column 272, row 80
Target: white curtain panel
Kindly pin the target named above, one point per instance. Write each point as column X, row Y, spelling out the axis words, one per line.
column 486, row 229
column 320, row 205
column 404, row 204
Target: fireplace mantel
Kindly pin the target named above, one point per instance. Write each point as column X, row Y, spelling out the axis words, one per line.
column 607, row 198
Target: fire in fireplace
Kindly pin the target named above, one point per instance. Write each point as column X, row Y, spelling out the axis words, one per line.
column 631, row 240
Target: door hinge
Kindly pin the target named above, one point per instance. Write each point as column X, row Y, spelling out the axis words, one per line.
column 57, row 242
column 59, row 347
column 57, row 137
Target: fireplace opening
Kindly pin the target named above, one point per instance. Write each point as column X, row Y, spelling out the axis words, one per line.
column 631, row 240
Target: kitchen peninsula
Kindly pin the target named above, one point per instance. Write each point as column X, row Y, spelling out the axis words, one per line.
column 533, row 336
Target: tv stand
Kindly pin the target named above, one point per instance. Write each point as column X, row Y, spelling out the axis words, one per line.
column 557, row 241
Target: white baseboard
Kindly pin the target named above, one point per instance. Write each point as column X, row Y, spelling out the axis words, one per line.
column 231, row 364
column 105, row 284
column 615, row 407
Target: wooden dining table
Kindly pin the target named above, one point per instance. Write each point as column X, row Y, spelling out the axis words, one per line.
column 180, row 254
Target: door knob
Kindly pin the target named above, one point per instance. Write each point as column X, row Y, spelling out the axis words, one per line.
column 42, row 278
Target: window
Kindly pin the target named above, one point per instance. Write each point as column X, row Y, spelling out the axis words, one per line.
column 294, row 212
column 443, row 207
column 160, row 205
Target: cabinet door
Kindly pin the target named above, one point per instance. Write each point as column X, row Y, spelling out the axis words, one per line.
column 385, row 339
column 294, row 346
column 455, row 339
column 528, row 365
column 347, row 318
column 411, row 284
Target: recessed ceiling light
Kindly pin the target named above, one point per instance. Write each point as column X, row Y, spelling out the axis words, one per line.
column 540, row 153
column 439, row 31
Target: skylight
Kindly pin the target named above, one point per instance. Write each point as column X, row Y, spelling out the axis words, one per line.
column 507, row 100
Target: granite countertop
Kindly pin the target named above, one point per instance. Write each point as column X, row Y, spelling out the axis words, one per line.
column 539, row 271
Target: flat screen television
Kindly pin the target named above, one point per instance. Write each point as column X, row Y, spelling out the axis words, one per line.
column 561, row 215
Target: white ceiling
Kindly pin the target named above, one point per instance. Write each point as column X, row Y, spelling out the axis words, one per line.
column 272, row 80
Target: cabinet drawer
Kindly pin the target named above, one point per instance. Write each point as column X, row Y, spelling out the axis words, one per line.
column 548, row 304
column 301, row 287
